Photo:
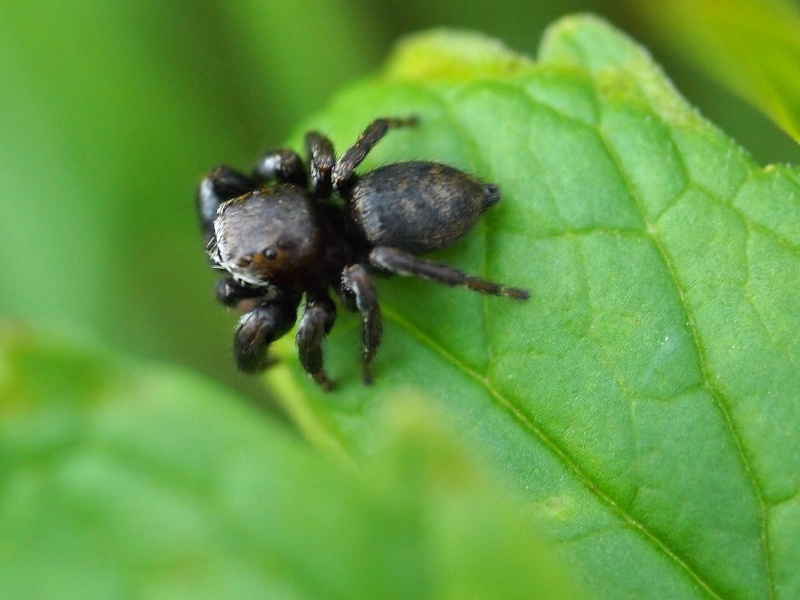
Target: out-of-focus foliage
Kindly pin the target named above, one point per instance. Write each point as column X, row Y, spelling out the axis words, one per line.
column 123, row 481
column 751, row 47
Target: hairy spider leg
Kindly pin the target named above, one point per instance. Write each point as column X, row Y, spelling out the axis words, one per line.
column 260, row 327
column 282, row 165
column 355, row 154
column 404, row 263
column 356, row 279
column 321, row 159
column 217, row 187
column 316, row 322
column 230, row 292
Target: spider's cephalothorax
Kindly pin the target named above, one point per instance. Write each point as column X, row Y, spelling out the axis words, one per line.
column 283, row 233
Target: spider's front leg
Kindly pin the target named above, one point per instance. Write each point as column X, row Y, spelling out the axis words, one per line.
column 233, row 293
column 316, row 323
column 282, row 165
column 218, row 186
column 356, row 280
column 260, row 327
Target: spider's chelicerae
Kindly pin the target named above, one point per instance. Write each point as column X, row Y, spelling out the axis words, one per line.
column 283, row 233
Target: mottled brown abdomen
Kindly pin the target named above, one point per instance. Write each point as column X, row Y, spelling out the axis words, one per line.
column 418, row 207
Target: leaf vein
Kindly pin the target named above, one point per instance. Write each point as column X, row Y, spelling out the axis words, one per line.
column 526, row 422
column 716, row 393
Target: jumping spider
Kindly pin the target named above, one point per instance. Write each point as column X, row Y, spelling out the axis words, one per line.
column 281, row 233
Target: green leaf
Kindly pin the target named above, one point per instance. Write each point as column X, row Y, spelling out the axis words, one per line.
column 645, row 402
column 131, row 481
column 751, row 47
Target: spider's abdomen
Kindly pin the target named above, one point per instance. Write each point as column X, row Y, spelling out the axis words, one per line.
column 418, row 207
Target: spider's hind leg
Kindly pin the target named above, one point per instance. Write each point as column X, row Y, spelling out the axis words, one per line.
column 404, row 263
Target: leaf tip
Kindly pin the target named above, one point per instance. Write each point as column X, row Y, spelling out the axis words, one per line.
column 452, row 55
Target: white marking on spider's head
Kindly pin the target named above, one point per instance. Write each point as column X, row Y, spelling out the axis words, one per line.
column 222, row 251
column 244, row 272
column 213, row 253
column 242, row 268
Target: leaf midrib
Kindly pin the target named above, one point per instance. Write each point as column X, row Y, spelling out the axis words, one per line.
column 592, row 486
column 716, row 393
column 475, row 156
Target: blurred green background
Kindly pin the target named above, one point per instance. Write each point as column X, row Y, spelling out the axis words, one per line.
column 110, row 112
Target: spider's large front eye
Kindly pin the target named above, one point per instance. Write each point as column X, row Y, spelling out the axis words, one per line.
column 270, row 253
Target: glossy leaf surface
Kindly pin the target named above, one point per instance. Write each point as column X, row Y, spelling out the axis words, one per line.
column 645, row 401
